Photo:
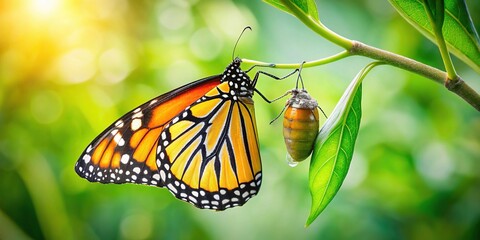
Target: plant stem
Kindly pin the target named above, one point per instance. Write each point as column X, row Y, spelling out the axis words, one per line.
column 363, row 73
column 398, row 61
column 437, row 25
column 447, row 61
column 318, row 62
column 458, row 86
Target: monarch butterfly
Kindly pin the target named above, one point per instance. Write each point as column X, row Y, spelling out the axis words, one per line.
column 199, row 141
column 300, row 123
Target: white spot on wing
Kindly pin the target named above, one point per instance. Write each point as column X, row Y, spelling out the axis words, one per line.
column 119, row 124
column 192, row 199
column 118, row 139
column 136, row 124
column 86, row 158
column 172, row 188
column 162, row 175
column 137, row 115
column 175, row 120
column 124, row 158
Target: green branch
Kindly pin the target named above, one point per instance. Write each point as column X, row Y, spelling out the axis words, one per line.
column 314, row 63
column 458, row 87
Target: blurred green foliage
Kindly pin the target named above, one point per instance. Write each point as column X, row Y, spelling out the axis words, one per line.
column 70, row 68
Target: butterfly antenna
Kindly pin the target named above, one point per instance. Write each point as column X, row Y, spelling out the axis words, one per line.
column 235, row 47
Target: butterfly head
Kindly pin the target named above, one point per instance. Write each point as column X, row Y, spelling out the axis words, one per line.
column 239, row 82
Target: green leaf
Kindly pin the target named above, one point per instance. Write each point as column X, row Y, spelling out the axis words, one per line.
column 458, row 30
column 334, row 146
column 307, row 6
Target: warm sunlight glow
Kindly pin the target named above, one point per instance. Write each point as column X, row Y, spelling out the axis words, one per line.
column 44, row 7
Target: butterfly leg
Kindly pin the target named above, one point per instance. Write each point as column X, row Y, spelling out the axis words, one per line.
column 279, row 114
column 271, row 65
column 255, row 79
column 257, row 75
column 322, row 111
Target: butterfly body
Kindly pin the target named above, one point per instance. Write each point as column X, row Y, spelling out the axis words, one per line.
column 199, row 141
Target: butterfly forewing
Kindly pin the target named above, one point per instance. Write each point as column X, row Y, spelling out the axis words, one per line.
column 126, row 150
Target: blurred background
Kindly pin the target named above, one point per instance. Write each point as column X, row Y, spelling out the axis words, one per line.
column 70, row 68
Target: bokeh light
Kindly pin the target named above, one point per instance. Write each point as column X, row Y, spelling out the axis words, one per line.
column 45, row 7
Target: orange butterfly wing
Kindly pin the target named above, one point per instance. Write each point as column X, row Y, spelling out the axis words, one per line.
column 200, row 141
column 126, row 150
column 209, row 155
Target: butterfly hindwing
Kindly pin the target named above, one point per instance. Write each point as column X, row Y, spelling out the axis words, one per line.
column 126, row 150
column 209, row 155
